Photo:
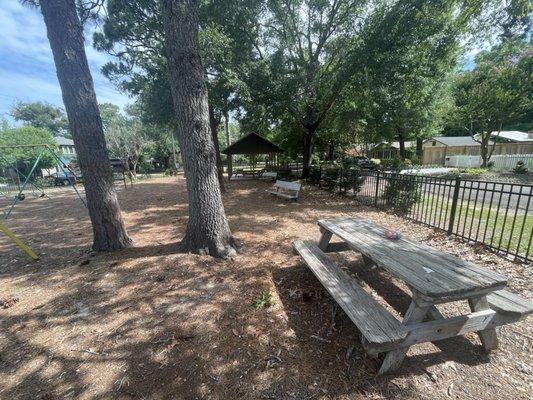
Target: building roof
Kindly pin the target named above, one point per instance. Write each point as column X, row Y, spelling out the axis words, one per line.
column 454, row 140
column 63, row 141
column 252, row 144
column 514, row 136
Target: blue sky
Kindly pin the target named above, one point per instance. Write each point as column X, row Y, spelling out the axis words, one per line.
column 27, row 70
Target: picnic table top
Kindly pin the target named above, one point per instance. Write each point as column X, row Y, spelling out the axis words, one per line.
column 434, row 274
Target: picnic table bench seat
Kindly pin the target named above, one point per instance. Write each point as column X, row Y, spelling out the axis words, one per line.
column 377, row 325
column 505, row 302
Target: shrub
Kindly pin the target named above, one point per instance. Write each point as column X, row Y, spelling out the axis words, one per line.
column 393, row 164
column 330, row 177
column 401, row 193
column 352, row 180
column 314, row 174
column 520, row 168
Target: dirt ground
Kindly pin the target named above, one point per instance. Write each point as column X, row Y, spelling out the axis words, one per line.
column 151, row 323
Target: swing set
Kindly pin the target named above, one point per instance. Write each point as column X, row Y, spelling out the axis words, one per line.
column 37, row 189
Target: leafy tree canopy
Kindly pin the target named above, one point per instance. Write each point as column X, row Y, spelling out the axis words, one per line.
column 24, row 157
column 42, row 115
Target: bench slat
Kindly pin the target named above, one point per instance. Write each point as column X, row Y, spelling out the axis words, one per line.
column 506, row 302
column 376, row 324
column 296, row 186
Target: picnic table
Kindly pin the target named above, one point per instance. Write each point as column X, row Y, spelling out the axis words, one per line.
column 433, row 277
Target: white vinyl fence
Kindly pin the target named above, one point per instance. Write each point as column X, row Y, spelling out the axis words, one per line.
column 503, row 162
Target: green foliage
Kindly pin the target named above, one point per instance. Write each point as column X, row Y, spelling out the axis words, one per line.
column 395, row 164
column 330, row 177
column 41, row 115
column 498, row 91
column 520, row 168
column 352, row 179
column 401, row 193
column 24, row 158
column 264, row 300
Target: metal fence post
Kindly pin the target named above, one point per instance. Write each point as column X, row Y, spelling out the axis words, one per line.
column 455, row 200
column 377, row 190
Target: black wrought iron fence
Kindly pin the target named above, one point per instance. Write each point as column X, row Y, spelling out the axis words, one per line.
column 496, row 214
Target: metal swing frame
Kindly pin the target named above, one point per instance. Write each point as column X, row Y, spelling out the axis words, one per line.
column 45, row 148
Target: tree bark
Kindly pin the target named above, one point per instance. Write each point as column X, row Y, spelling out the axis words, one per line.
column 207, row 230
column 307, row 153
column 401, row 142
column 214, row 124
column 65, row 34
column 228, row 143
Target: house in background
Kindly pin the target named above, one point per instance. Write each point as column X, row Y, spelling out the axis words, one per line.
column 436, row 150
column 66, row 153
column 387, row 150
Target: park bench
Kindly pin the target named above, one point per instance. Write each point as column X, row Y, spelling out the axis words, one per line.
column 287, row 190
column 434, row 277
column 269, row 175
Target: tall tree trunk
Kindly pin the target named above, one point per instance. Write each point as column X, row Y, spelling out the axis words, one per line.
column 419, row 147
column 401, row 141
column 207, row 229
column 214, row 123
column 484, row 150
column 228, row 143
column 65, row 34
column 307, row 153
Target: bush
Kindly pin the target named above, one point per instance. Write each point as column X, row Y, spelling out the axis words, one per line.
column 352, row 180
column 401, row 193
column 520, row 168
column 314, row 174
column 330, row 177
column 393, row 164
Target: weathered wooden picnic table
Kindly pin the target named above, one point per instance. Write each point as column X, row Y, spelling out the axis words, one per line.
column 433, row 277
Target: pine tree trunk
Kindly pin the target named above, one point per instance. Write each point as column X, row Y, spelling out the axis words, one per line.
column 207, row 230
column 229, row 157
column 214, row 124
column 65, row 34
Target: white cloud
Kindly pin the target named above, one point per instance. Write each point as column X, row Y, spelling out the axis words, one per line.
column 27, row 71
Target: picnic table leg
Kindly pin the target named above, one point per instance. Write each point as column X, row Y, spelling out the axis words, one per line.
column 394, row 358
column 324, row 239
column 488, row 337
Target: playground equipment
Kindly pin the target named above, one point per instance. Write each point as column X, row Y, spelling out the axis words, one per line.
column 15, row 239
column 20, row 196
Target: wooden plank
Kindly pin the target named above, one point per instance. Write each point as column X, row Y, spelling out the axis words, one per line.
column 445, row 328
column 488, row 336
column 394, row 358
column 296, row 186
column 325, row 237
column 433, row 273
column 376, row 324
column 509, row 303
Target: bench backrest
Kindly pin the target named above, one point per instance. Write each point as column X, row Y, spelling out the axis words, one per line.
column 295, row 186
column 269, row 174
